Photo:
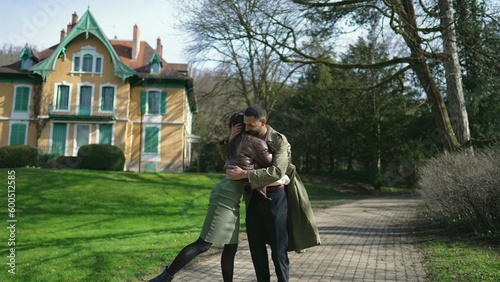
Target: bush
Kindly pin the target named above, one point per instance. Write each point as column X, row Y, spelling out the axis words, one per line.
column 18, row 156
column 463, row 189
column 101, row 157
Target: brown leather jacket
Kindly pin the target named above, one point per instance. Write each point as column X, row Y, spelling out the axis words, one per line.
column 251, row 153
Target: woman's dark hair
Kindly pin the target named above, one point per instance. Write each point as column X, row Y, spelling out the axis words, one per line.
column 236, row 118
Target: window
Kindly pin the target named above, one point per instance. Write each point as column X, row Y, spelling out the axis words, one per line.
column 62, row 97
column 152, row 139
column 87, row 60
column 105, row 134
column 59, row 139
column 22, row 98
column 155, row 63
column 82, row 136
column 153, row 102
column 18, row 134
column 85, row 102
column 155, row 68
column 87, row 63
column 107, row 98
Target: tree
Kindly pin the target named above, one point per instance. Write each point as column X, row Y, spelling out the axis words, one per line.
column 39, row 102
column 478, row 35
column 421, row 33
column 355, row 126
column 249, row 68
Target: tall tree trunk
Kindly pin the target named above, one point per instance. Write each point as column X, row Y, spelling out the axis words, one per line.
column 319, row 159
column 458, row 112
column 409, row 31
column 437, row 105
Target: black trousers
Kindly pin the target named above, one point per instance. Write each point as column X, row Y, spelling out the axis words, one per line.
column 266, row 222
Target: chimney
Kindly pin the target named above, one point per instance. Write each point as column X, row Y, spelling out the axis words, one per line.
column 159, row 47
column 136, row 43
column 74, row 19
column 63, row 34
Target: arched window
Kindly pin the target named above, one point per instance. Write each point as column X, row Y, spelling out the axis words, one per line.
column 87, row 63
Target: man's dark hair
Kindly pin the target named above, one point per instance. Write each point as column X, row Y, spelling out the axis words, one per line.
column 256, row 111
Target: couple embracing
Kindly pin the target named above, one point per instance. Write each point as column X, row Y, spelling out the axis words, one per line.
column 258, row 167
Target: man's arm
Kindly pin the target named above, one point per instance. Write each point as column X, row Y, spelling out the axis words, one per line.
column 264, row 176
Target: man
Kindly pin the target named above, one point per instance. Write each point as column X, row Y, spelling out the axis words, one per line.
column 267, row 217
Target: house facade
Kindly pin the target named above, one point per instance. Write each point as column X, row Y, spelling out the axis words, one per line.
column 91, row 90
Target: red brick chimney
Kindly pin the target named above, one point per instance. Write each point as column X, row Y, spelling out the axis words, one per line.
column 159, row 47
column 74, row 18
column 136, row 43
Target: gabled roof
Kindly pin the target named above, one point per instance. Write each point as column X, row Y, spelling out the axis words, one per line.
column 142, row 64
column 86, row 25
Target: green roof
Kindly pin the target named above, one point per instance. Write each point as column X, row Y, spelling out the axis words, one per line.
column 88, row 25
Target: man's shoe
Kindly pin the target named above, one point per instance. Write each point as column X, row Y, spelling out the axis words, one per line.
column 163, row 277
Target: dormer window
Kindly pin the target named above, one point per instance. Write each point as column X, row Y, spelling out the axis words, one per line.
column 155, row 68
column 155, row 64
column 87, row 61
column 26, row 56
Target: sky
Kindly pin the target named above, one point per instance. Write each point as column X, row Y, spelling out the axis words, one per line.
column 39, row 22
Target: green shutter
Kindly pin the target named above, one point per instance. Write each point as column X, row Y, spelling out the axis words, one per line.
column 62, row 99
column 105, row 133
column 144, row 99
column 18, row 134
column 108, row 95
column 98, row 63
column 76, row 64
column 59, row 138
column 163, row 109
column 152, row 138
column 22, row 99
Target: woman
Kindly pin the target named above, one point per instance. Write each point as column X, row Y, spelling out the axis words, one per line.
column 222, row 221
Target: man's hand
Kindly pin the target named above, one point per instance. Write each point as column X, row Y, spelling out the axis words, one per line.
column 235, row 130
column 234, row 172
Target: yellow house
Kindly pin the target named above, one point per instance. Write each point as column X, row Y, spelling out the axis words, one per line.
column 91, row 90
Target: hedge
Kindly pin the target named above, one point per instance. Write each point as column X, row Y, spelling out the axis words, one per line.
column 18, row 156
column 101, row 157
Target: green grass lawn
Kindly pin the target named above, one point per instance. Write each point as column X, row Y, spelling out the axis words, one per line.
column 101, row 226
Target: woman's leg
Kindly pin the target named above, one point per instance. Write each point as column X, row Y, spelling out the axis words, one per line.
column 188, row 254
column 227, row 261
column 184, row 257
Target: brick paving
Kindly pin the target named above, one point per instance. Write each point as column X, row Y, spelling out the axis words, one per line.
column 365, row 240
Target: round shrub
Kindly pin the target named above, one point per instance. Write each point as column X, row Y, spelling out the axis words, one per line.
column 18, row 156
column 101, row 157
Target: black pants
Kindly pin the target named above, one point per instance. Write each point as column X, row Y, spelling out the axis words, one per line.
column 266, row 222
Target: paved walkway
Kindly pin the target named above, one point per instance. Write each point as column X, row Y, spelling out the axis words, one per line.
column 365, row 240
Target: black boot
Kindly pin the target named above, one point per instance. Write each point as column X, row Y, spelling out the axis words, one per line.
column 163, row 277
